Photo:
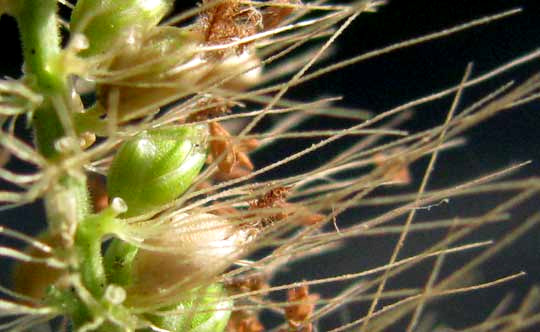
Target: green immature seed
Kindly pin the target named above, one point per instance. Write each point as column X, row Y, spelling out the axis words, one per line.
column 156, row 167
column 104, row 22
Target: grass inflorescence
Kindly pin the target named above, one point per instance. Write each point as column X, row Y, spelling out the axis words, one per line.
column 148, row 125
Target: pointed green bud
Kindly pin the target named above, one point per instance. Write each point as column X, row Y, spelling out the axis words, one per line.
column 105, row 22
column 157, row 166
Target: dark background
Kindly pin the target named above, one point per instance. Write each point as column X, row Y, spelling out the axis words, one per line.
column 393, row 79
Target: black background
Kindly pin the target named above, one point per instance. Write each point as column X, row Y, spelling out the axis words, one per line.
column 390, row 80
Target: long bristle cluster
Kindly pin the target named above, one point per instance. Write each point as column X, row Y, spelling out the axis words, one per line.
column 238, row 225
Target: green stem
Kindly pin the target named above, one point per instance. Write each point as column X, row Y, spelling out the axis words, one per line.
column 42, row 52
column 70, row 304
column 41, row 43
column 88, row 244
column 67, row 201
column 47, row 130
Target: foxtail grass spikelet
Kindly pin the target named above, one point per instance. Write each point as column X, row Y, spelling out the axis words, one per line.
column 147, row 127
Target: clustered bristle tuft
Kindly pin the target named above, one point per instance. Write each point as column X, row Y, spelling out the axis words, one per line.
column 162, row 218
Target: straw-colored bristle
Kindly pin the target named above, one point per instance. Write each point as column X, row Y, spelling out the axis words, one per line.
column 181, row 185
